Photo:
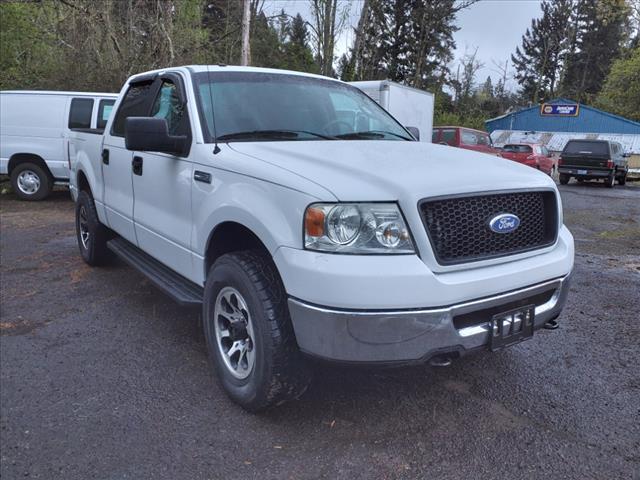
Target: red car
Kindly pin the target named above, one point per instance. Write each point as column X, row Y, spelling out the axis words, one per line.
column 532, row 154
column 463, row 137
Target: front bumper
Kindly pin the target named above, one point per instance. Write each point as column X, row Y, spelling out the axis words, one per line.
column 418, row 334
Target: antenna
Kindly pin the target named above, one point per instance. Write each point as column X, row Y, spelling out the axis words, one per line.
column 216, row 148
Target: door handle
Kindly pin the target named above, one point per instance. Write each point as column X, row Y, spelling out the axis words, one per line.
column 136, row 165
column 203, row 177
column 105, row 156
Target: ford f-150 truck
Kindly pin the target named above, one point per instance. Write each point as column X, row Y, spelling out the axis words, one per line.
column 302, row 234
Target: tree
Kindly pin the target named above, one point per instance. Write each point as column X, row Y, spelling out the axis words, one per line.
column 298, row 55
column 621, row 91
column 327, row 26
column 599, row 28
column 539, row 60
column 408, row 41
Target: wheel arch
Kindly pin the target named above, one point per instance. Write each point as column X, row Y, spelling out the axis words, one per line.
column 19, row 158
column 231, row 236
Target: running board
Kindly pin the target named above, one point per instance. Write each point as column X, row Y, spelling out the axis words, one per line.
column 176, row 286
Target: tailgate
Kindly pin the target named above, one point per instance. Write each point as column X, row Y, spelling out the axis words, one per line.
column 588, row 161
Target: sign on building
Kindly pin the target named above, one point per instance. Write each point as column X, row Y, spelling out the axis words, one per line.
column 559, row 109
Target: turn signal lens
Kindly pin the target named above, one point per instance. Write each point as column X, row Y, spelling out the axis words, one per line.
column 314, row 222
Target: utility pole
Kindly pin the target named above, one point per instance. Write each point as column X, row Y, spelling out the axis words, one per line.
column 246, row 23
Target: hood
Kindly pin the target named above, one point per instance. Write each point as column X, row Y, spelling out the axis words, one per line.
column 388, row 170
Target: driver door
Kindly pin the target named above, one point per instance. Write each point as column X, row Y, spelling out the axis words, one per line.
column 162, row 185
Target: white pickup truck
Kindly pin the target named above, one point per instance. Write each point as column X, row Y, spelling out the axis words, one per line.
column 245, row 191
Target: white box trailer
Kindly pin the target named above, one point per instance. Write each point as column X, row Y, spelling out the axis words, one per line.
column 410, row 106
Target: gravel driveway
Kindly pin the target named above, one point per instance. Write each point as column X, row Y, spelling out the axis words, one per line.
column 102, row 376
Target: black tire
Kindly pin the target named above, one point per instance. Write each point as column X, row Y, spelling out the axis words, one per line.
column 610, row 180
column 623, row 179
column 564, row 178
column 31, row 182
column 279, row 372
column 94, row 249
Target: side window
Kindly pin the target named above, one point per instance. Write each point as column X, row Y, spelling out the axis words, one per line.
column 168, row 106
column 135, row 104
column 484, row 140
column 448, row 137
column 104, row 111
column 469, row 138
column 80, row 113
column 434, row 136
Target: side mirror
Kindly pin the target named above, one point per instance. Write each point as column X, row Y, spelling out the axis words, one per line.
column 626, row 155
column 148, row 134
column 415, row 133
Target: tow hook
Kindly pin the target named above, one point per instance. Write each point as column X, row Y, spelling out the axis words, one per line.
column 440, row 361
column 551, row 324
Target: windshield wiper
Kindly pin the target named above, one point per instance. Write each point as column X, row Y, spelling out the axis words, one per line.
column 271, row 134
column 371, row 134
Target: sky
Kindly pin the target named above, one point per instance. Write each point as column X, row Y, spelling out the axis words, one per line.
column 494, row 27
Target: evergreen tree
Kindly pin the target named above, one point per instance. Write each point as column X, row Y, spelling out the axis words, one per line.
column 599, row 28
column 621, row 91
column 538, row 63
column 408, row 41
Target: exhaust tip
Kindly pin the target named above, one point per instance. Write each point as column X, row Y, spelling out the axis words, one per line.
column 551, row 324
column 440, row 361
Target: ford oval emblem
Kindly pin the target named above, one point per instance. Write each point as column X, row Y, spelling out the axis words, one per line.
column 504, row 223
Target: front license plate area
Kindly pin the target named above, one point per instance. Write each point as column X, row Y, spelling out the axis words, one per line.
column 509, row 328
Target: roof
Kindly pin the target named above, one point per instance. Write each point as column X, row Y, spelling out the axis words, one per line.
column 235, row 68
column 587, row 120
column 55, row 92
column 454, row 126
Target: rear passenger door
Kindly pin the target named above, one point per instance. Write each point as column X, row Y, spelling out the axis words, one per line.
column 162, row 185
column 116, row 159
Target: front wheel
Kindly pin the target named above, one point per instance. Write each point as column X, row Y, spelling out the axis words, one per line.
column 564, row 179
column 31, row 182
column 91, row 234
column 249, row 334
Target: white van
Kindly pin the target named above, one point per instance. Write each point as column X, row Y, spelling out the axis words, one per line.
column 34, row 128
column 410, row 106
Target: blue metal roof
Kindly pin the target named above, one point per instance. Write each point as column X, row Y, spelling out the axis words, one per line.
column 588, row 120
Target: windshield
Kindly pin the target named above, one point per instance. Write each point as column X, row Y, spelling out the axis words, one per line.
column 257, row 106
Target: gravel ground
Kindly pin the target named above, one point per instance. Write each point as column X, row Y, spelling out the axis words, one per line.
column 102, row 376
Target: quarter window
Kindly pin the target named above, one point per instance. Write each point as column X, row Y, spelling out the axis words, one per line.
column 448, row 137
column 104, row 111
column 80, row 113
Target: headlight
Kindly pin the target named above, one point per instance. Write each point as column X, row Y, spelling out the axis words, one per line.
column 356, row 228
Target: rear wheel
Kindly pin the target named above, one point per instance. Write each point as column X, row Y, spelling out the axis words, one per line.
column 564, row 179
column 249, row 333
column 623, row 179
column 31, row 181
column 91, row 234
column 610, row 180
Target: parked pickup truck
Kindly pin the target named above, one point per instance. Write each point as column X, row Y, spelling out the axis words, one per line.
column 593, row 160
column 245, row 190
column 533, row 155
column 466, row 138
